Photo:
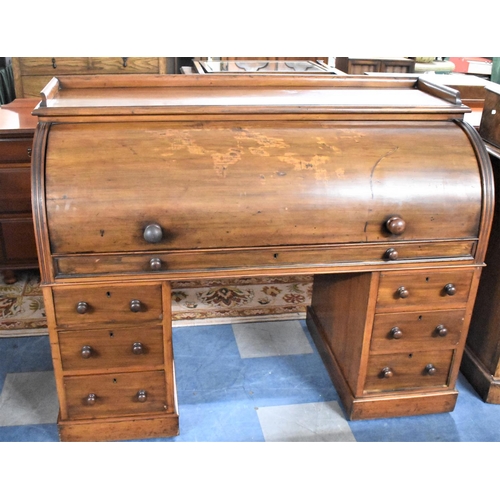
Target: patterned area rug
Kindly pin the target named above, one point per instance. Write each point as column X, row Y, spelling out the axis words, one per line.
column 193, row 302
column 21, row 306
column 242, row 299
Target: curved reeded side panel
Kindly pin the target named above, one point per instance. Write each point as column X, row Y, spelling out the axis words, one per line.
column 38, row 201
column 488, row 205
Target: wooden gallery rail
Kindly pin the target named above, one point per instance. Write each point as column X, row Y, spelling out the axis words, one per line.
column 376, row 186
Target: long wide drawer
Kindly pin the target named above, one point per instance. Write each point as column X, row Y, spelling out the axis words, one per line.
column 111, row 349
column 262, row 257
column 79, row 306
column 115, row 394
column 16, row 150
column 56, row 66
column 18, row 235
column 15, row 195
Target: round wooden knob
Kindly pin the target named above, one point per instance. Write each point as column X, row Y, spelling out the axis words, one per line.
column 441, row 330
column 403, row 292
column 391, row 254
column 155, row 264
column 137, row 348
column 153, row 233
column 142, row 396
column 396, row 225
column 82, row 307
column 135, row 305
column 450, row 289
column 396, row 332
column 430, row 369
column 86, row 351
column 91, row 399
column 387, row 372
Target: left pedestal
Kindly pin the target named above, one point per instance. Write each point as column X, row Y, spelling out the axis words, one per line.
column 113, row 360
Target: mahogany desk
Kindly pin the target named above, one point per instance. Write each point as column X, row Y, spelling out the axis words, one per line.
column 17, row 237
column 377, row 187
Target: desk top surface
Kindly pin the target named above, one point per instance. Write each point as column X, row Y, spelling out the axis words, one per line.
column 16, row 116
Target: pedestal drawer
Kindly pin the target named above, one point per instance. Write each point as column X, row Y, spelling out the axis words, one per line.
column 53, row 65
column 402, row 332
column 16, row 150
column 391, row 372
column 435, row 290
column 115, row 394
column 111, row 349
column 15, row 184
column 88, row 305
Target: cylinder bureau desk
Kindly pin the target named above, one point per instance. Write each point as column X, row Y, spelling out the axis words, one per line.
column 376, row 186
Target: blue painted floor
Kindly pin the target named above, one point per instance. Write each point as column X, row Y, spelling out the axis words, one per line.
column 250, row 382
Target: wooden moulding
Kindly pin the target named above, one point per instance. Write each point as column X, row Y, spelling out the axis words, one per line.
column 119, row 429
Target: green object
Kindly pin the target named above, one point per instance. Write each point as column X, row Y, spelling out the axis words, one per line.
column 495, row 70
column 7, row 92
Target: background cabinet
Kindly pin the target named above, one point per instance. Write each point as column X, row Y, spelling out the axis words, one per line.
column 361, row 65
column 17, row 238
column 31, row 74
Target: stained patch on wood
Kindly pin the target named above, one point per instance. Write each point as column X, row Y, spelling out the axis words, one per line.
column 312, row 164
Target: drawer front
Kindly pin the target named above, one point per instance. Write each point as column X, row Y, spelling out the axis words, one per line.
column 435, row 290
column 81, row 306
column 117, row 65
column 116, row 394
column 266, row 257
column 254, row 184
column 112, row 349
column 15, row 190
column 14, row 150
column 53, row 66
column 401, row 332
column 18, row 238
column 33, row 85
column 392, row 372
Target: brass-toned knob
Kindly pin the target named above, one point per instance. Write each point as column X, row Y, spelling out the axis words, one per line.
column 450, row 289
column 137, row 348
column 82, row 307
column 86, row 351
column 441, row 330
column 141, row 396
column 396, row 332
column 153, row 233
column 395, row 225
column 391, row 254
column 91, row 399
column 430, row 369
column 155, row 264
column 403, row 292
column 135, row 305
column 387, row 372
